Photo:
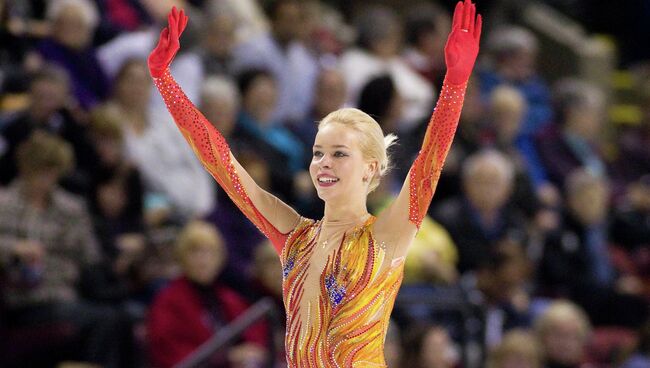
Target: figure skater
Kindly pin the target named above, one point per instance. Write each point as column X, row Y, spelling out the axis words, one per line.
column 341, row 273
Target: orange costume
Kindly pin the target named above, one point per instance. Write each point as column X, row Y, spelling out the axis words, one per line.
column 338, row 294
column 342, row 320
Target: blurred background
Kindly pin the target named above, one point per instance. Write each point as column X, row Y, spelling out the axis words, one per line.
column 118, row 250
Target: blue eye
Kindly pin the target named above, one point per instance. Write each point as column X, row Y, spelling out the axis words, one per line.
column 339, row 154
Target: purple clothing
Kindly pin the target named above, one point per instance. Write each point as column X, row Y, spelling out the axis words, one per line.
column 561, row 154
column 240, row 235
column 89, row 83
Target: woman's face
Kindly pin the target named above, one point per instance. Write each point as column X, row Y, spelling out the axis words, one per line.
column 71, row 28
column 260, row 99
column 134, row 87
column 203, row 262
column 338, row 167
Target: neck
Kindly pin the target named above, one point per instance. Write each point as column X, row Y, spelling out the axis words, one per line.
column 345, row 212
column 36, row 198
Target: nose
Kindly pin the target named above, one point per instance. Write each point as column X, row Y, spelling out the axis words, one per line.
column 326, row 161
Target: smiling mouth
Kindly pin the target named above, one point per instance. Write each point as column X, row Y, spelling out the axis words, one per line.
column 328, row 180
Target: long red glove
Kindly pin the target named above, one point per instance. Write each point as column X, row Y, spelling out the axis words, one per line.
column 168, row 44
column 463, row 43
column 460, row 54
column 204, row 139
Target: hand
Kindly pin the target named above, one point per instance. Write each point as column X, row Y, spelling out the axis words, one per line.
column 463, row 41
column 168, row 44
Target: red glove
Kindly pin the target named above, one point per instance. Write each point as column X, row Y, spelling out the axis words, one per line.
column 462, row 44
column 168, row 44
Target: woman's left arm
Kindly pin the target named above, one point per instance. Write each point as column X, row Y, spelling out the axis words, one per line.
column 398, row 223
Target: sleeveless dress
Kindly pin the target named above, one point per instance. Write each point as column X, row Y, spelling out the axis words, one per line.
column 338, row 294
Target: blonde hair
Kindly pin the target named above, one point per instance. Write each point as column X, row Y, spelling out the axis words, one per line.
column 198, row 233
column 88, row 9
column 518, row 343
column 43, row 151
column 373, row 144
column 507, row 98
column 105, row 123
column 559, row 312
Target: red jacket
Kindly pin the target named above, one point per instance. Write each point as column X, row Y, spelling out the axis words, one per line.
column 178, row 322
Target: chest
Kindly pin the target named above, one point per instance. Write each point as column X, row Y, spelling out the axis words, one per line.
column 329, row 270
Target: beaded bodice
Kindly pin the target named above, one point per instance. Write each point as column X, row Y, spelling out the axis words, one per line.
column 338, row 295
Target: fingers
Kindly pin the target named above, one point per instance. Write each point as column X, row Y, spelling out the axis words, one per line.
column 472, row 15
column 458, row 16
column 467, row 9
column 179, row 21
column 477, row 28
column 162, row 41
column 182, row 21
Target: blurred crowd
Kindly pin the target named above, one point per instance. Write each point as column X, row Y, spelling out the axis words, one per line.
column 117, row 249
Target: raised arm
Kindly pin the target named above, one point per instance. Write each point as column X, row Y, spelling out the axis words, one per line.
column 400, row 221
column 273, row 217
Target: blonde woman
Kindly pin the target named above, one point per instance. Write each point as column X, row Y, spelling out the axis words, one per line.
column 340, row 273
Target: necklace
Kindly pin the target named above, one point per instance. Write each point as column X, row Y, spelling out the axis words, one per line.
column 339, row 226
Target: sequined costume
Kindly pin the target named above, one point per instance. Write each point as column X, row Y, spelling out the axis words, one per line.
column 338, row 296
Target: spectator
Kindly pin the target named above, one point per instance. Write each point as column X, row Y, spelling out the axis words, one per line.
column 506, row 109
column 574, row 140
column 563, row 331
column 46, row 241
column 576, row 262
column 290, row 64
column 481, row 217
column 116, row 204
column 429, row 346
column 513, row 55
column 329, row 96
column 218, row 43
column 519, row 349
column 188, row 66
column 502, row 282
column 379, row 44
column 425, row 37
column 432, row 257
column 196, row 305
column 48, row 110
column 70, row 46
column 169, row 168
column 256, row 129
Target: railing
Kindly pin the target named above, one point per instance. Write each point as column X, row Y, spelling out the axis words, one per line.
column 232, row 331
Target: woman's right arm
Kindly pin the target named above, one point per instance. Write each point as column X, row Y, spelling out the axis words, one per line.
column 273, row 217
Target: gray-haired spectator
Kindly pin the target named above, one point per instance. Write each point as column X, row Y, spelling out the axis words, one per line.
column 220, row 102
column 70, row 46
column 482, row 215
